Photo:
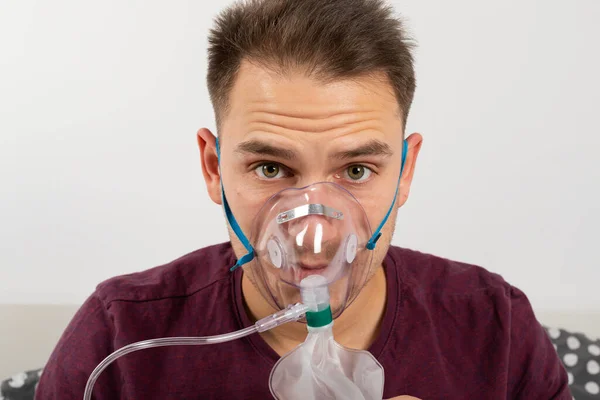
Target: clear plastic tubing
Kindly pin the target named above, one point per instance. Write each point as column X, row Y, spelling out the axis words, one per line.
column 289, row 314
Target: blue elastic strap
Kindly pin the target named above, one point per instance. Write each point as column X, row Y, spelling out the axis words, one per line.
column 233, row 223
column 377, row 234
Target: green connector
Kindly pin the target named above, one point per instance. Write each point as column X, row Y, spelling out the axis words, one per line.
column 317, row 319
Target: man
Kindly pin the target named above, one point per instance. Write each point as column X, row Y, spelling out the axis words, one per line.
column 309, row 91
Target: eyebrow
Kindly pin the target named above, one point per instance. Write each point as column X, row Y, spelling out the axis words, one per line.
column 264, row 149
column 371, row 148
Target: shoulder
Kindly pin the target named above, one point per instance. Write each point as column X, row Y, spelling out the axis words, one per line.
column 432, row 274
column 182, row 277
column 475, row 313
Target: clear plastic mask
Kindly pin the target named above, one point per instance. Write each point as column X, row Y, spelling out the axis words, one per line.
column 318, row 229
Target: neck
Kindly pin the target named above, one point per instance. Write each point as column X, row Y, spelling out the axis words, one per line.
column 357, row 327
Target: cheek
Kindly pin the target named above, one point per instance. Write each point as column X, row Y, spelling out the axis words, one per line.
column 376, row 204
column 376, row 199
column 244, row 205
column 246, row 201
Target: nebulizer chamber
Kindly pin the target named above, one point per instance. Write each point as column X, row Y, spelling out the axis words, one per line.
column 309, row 260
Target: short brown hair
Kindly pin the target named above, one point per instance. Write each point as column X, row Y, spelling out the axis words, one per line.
column 330, row 39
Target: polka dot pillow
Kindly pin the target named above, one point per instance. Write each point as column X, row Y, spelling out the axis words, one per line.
column 581, row 357
column 20, row 386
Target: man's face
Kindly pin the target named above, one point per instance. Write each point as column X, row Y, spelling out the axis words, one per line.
column 293, row 131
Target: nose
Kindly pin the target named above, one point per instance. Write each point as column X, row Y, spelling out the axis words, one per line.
column 316, row 174
column 313, row 233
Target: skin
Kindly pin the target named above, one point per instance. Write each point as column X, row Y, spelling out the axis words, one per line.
column 312, row 121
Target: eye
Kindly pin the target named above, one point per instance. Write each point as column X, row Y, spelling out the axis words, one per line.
column 358, row 173
column 270, row 171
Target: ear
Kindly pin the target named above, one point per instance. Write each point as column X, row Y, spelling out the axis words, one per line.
column 414, row 143
column 210, row 164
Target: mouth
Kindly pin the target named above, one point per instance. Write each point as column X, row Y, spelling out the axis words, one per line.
column 312, row 267
column 305, row 270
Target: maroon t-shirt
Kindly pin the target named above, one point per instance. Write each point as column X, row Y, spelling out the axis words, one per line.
column 450, row 331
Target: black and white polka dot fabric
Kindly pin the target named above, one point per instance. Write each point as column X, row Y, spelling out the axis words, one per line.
column 20, row 386
column 581, row 357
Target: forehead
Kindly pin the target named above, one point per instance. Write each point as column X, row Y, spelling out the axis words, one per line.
column 297, row 101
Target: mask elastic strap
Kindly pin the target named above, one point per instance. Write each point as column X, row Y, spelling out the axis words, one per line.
column 233, row 223
column 377, row 234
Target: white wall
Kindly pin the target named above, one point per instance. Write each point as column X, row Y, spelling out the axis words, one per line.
column 99, row 172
